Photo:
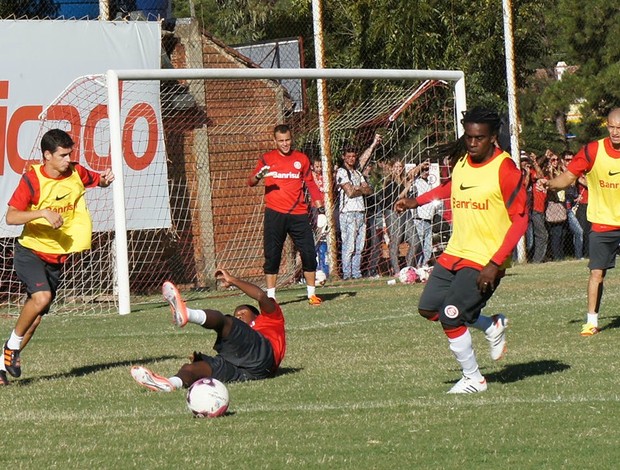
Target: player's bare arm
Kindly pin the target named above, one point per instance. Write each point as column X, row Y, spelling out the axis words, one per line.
column 405, row 203
column 561, row 181
column 16, row 217
column 251, row 290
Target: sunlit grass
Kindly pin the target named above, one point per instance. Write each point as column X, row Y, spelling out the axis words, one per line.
column 363, row 386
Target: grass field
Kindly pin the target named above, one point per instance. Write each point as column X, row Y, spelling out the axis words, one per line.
column 363, row 386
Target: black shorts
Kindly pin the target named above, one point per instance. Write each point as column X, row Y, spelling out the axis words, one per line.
column 454, row 295
column 603, row 249
column 276, row 227
column 36, row 274
column 244, row 355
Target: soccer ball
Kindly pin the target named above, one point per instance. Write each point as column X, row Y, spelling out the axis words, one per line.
column 424, row 273
column 320, row 278
column 407, row 275
column 207, row 398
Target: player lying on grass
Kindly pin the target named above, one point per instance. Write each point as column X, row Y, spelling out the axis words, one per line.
column 250, row 345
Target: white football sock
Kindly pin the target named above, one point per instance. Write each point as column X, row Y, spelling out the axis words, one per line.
column 271, row 292
column 14, row 342
column 463, row 351
column 196, row 316
column 482, row 323
column 176, row 382
column 592, row 318
column 311, row 290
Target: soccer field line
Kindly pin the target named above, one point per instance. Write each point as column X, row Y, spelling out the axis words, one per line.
column 424, row 403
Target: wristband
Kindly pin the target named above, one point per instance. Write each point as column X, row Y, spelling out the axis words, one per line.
column 321, row 210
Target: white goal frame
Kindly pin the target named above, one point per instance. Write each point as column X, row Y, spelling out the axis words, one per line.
column 114, row 115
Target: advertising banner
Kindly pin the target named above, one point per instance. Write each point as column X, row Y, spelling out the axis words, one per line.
column 41, row 88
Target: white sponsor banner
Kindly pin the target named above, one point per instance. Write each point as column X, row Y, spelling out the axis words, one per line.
column 41, row 63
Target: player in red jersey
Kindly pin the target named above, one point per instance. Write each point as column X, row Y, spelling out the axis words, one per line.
column 49, row 202
column 600, row 162
column 286, row 172
column 489, row 216
column 250, row 344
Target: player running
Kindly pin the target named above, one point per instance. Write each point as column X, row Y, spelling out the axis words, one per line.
column 489, row 217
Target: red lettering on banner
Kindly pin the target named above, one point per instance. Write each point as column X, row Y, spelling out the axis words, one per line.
column 140, row 111
column 96, row 162
column 66, row 112
column 20, row 116
column 4, row 94
column 84, row 144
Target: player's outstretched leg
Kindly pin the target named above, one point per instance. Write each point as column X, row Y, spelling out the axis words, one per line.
column 177, row 305
column 150, row 380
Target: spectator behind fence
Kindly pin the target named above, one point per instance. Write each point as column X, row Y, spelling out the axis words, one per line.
column 352, row 187
column 572, row 204
column 600, row 162
column 421, row 219
column 539, row 202
column 555, row 211
column 374, row 220
column 395, row 186
column 320, row 233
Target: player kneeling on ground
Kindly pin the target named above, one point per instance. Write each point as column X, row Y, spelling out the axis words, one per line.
column 250, row 344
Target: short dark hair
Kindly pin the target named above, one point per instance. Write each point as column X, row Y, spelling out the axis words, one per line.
column 480, row 115
column 55, row 138
column 281, row 129
column 251, row 308
column 348, row 147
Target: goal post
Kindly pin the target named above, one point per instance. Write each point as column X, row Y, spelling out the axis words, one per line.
column 182, row 144
column 115, row 77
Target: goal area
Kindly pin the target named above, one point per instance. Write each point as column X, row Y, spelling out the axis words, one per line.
column 182, row 144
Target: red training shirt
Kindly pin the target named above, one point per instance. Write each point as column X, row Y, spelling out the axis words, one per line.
column 271, row 326
column 284, row 184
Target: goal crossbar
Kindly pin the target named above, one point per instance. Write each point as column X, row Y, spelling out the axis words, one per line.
column 114, row 115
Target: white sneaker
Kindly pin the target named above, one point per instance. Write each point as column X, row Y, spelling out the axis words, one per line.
column 469, row 385
column 150, row 380
column 497, row 337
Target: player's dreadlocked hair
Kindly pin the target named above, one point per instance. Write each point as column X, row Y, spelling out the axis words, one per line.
column 457, row 150
column 480, row 115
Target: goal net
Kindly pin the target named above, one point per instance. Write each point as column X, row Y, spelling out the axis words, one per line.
column 188, row 143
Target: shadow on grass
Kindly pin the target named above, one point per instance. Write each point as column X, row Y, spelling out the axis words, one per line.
column 92, row 369
column 287, row 370
column 325, row 296
column 515, row 372
column 614, row 323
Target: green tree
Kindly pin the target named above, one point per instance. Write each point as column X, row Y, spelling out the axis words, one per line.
column 586, row 35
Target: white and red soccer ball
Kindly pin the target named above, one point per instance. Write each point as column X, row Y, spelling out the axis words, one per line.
column 320, row 278
column 408, row 275
column 207, row 398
